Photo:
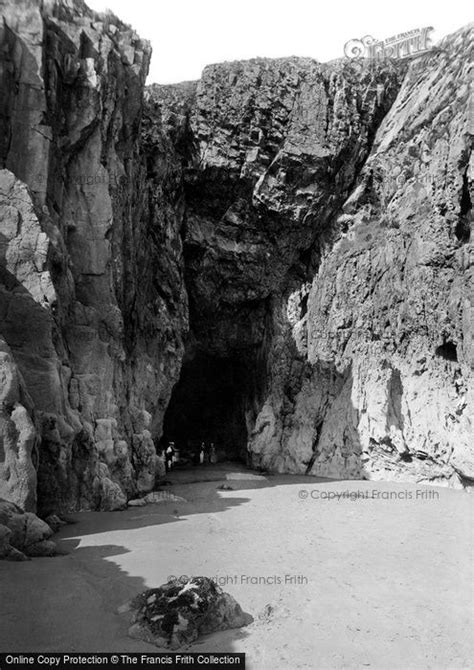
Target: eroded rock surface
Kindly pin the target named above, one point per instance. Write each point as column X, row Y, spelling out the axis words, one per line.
column 83, row 308
column 383, row 333
column 328, row 249
column 177, row 613
column 23, row 534
column 18, row 435
column 270, row 151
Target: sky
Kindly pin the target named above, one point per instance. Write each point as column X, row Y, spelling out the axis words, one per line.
column 186, row 35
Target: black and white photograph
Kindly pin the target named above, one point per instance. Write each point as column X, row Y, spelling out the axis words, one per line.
column 236, row 334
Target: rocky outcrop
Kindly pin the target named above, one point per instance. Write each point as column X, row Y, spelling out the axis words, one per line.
column 276, row 259
column 23, row 534
column 382, row 371
column 271, row 151
column 177, row 613
column 82, row 310
column 327, row 249
column 18, row 435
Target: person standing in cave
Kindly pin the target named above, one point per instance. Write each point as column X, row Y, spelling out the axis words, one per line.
column 212, row 454
column 176, row 454
column 201, row 453
column 169, row 456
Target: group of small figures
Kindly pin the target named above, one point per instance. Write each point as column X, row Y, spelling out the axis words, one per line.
column 205, row 454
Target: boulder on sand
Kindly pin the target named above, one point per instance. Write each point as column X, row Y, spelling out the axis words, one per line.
column 23, row 534
column 182, row 610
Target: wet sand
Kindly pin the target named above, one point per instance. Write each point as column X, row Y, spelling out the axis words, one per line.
column 384, row 581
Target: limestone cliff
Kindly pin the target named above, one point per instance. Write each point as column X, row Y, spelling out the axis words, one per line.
column 276, row 258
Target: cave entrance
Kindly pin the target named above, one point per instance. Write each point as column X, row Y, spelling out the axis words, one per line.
column 208, row 405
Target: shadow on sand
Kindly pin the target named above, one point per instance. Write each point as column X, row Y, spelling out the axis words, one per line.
column 70, row 602
column 93, row 578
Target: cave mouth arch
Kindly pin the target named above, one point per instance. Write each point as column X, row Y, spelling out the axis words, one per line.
column 448, row 351
column 209, row 404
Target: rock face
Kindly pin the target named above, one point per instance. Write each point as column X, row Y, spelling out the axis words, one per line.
column 271, row 152
column 327, row 251
column 179, row 612
column 18, row 435
column 81, row 307
column 383, row 333
column 276, row 259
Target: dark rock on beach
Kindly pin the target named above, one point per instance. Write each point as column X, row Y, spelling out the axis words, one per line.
column 179, row 612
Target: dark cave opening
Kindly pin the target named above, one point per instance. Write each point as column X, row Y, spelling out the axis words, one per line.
column 208, row 405
column 463, row 226
column 448, row 351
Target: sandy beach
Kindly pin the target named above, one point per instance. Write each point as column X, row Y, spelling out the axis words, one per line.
column 382, row 578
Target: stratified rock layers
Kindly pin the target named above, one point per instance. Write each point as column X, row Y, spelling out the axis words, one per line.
column 316, row 218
